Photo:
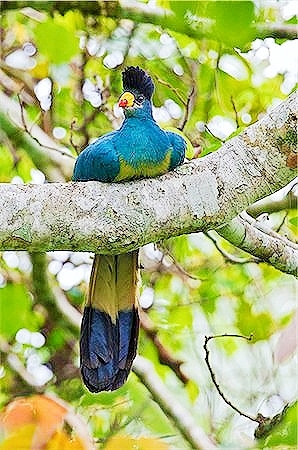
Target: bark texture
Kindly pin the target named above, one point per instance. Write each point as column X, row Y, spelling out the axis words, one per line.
column 114, row 218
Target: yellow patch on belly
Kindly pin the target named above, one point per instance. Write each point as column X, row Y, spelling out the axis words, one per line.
column 145, row 170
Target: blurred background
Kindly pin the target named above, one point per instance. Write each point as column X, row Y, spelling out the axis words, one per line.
column 217, row 67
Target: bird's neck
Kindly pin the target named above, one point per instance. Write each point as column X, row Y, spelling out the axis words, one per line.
column 138, row 123
column 144, row 113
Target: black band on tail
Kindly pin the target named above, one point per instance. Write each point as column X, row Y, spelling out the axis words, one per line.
column 107, row 349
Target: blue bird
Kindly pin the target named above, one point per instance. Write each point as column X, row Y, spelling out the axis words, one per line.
column 139, row 149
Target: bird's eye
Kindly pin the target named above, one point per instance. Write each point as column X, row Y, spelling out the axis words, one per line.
column 141, row 98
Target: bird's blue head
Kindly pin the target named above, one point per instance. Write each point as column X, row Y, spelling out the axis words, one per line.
column 138, row 89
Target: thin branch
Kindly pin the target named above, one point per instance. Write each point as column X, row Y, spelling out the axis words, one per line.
column 176, row 91
column 17, row 365
column 164, row 355
column 13, row 86
column 182, row 419
column 268, row 231
column 188, row 108
column 228, row 256
column 277, row 230
column 75, row 146
column 55, row 166
column 26, row 129
column 207, row 353
column 174, row 267
column 213, row 135
column 274, row 203
column 236, row 112
column 71, row 314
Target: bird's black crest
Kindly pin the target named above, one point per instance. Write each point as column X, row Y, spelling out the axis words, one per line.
column 135, row 79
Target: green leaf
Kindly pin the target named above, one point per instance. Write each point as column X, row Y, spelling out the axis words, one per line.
column 294, row 221
column 56, row 41
column 6, row 164
column 16, row 310
column 233, row 21
column 181, row 8
column 261, row 325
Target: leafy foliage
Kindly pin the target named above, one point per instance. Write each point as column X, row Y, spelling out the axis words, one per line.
column 215, row 70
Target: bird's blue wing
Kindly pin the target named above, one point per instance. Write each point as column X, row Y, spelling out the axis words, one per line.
column 178, row 145
column 99, row 161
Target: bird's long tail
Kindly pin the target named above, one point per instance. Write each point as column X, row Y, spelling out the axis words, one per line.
column 110, row 325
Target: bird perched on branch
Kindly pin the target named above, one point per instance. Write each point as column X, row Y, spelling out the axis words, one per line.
column 139, row 149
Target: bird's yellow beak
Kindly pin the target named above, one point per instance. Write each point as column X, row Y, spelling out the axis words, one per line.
column 126, row 100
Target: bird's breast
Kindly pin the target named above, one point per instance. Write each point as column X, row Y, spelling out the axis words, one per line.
column 142, row 168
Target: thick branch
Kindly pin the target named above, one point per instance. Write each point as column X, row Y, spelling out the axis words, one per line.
column 118, row 217
column 262, row 243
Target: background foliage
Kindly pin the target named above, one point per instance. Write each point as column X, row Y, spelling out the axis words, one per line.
column 217, row 66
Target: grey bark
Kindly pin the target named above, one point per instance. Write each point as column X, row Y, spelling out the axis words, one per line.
column 263, row 243
column 114, row 218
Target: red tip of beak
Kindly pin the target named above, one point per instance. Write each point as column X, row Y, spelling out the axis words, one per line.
column 123, row 103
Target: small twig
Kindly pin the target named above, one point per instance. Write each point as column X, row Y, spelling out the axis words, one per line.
column 228, row 256
column 4, row 138
column 282, row 222
column 165, row 252
column 235, row 111
column 187, row 108
column 207, row 339
column 213, row 135
column 75, row 146
column 26, row 129
column 176, row 91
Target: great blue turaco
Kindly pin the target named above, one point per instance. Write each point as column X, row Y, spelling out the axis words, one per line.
column 139, row 149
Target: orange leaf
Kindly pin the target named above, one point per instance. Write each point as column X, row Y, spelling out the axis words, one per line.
column 17, row 413
column 39, row 410
column 49, row 416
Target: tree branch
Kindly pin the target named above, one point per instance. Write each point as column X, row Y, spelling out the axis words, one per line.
column 276, row 203
column 212, row 374
column 262, row 243
column 228, row 256
column 175, row 411
column 55, row 165
column 141, row 13
column 118, row 217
